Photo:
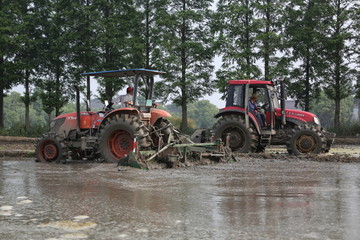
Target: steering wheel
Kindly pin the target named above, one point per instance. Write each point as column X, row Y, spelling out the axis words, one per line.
column 264, row 106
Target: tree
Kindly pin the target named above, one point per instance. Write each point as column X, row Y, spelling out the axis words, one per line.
column 31, row 17
column 236, row 28
column 187, row 53
column 118, row 43
column 269, row 37
column 15, row 114
column 339, row 46
column 54, row 71
column 80, row 32
column 323, row 107
column 356, row 18
column 304, row 41
column 8, row 44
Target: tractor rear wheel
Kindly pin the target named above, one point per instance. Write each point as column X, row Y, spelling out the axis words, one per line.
column 306, row 139
column 242, row 139
column 50, row 148
column 167, row 130
column 116, row 137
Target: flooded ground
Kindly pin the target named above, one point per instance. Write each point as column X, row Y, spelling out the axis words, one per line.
column 249, row 199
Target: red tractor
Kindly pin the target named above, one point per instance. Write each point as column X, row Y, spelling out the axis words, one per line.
column 108, row 135
column 300, row 131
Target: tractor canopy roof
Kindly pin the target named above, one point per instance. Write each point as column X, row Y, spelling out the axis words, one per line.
column 239, row 82
column 124, row 73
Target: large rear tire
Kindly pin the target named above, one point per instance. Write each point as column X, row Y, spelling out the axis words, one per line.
column 167, row 131
column 242, row 139
column 306, row 139
column 50, row 148
column 116, row 138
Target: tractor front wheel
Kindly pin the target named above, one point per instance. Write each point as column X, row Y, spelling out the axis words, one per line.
column 50, row 148
column 242, row 139
column 116, row 138
column 305, row 139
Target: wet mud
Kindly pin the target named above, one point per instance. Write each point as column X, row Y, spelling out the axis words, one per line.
column 252, row 198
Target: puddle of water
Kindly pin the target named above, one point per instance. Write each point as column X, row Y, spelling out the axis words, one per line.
column 6, row 208
column 69, row 225
column 27, row 201
column 81, row 217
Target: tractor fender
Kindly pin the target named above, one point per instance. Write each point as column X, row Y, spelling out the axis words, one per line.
column 156, row 114
column 241, row 112
column 294, row 121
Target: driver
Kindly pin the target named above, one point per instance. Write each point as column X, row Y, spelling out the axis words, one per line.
column 254, row 109
column 126, row 100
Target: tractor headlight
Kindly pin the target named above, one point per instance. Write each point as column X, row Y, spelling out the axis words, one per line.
column 316, row 120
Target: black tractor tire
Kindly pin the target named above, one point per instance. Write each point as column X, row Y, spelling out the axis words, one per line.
column 242, row 139
column 168, row 133
column 116, row 137
column 306, row 139
column 50, row 148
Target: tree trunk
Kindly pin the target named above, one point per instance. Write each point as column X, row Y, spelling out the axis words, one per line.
column 247, row 37
column 57, row 93
column 49, row 119
column 27, row 101
column 337, row 70
column 337, row 89
column 184, row 123
column 147, row 35
column 307, row 82
column 267, row 42
column 1, row 104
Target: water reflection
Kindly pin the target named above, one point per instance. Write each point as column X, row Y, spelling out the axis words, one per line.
column 261, row 200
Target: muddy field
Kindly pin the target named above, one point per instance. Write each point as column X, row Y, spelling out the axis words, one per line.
column 253, row 198
column 259, row 196
column 343, row 150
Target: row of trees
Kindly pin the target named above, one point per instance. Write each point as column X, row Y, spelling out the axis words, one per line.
column 200, row 115
column 48, row 43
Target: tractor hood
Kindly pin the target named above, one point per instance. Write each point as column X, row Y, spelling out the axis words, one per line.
column 299, row 115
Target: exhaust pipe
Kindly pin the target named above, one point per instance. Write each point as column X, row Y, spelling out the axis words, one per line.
column 77, row 109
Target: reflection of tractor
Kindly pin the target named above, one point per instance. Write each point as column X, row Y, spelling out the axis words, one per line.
column 110, row 134
column 300, row 131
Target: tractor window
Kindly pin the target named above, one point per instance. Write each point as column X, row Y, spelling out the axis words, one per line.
column 261, row 93
column 235, row 96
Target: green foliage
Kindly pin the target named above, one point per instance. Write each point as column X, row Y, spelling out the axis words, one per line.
column 118, row 44
column 186, row 53
column 203, row 113
column 236, row 26
column 47, row 44
column 352, row 129
column 177, row 121
column 323, row 107
column 200, row 112
column 303, row 31
column 14, row 117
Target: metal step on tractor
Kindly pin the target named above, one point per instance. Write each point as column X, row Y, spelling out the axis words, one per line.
column 137, row 134
column 255, row 118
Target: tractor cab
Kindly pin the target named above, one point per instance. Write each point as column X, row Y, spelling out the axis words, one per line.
column 141, row 79
column 245, row 95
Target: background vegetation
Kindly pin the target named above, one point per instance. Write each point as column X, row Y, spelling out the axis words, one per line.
column 46, row 44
